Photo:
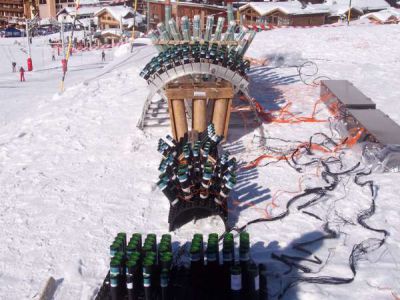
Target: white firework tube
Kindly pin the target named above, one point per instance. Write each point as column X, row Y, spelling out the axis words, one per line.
column 154, row 38
column 230, row 31
column 229, row 8
column 167, row 14
column 218, row 29
column 162, row 30
column 174, row 30
column 242, row 33
column 209, row 28
column 185, row 28
column 249, row 41
column 196, row 28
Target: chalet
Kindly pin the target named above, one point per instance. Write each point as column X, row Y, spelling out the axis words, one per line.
column 387, row 16
column 340, row 9
column 292, row 13
column 118, row 17
column 179, row 9
column 365, row 5
column 67, row 14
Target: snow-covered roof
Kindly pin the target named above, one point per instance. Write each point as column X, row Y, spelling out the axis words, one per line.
column 85, row 10
column 121, row 12
column 289, row 8
column 365, row 5
column 384, row 15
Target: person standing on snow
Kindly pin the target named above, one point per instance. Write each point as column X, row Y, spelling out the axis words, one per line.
column 103, row 56
column 21, row 74
column 14, row 66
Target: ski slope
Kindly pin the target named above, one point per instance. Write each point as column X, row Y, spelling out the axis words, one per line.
column 75, row 170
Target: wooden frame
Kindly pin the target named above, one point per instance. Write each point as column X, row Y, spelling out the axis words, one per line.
column 215, row 105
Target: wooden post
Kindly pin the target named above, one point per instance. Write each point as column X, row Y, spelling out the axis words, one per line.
column 181, row 126
column 219, row 115
column 199, row 115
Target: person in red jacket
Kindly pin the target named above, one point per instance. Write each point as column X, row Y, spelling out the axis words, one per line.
column 21, row 74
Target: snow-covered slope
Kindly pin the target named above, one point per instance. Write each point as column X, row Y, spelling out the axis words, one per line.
column 75, row 170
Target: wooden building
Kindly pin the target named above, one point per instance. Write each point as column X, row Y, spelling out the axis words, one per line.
column 118, row 17
column 387, row 16
column 292, row 13
column 180, row 9
column 13, row 9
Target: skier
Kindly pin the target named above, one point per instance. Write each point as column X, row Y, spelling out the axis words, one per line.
column 14, row 66
column 53, row 55
column 22, row 74
column 103, row 56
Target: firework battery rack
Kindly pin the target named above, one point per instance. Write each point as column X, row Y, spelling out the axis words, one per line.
column 149, row 271
column 194, row 178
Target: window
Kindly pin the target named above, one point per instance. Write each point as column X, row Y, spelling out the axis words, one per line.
column 42, row 1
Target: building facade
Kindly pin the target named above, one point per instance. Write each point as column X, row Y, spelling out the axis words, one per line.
column 13, row 10
column 283, row 14
column 178, row 10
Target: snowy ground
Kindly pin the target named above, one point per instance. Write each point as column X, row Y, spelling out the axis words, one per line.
column 75, row 170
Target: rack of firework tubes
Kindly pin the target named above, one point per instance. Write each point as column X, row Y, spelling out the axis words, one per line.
column 151, row 271
column 194, row 178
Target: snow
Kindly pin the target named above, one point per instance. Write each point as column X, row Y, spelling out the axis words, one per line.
column 365, row 5
column 75, row 170
column 290, row 8
column 384, row 15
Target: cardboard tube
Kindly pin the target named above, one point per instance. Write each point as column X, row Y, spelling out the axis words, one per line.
column 181, row 127
column 199, row 115
column 219, row 115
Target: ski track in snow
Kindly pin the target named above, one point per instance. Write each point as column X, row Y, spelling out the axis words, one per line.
column 75, row 170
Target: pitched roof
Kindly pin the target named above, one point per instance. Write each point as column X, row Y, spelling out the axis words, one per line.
column 119, row 12
column 290, row 8
column 384, row 15
column 365, row 5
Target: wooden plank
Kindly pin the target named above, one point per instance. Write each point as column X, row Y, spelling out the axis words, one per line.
column 228, row 116
column 171, row 116
column 180, row 120
column 199, row 119
column 200, row 93
column 219, row 115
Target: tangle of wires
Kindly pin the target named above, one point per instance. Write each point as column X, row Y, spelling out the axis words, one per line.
column 308, row 71
column 318, row 193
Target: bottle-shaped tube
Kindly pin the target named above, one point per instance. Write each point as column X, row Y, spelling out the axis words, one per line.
column 164, row 283
column 162, row 30
column 263, row 281
column 174, row 30
column 254, row 282
column 229, row 8
column 230, row 31
column 196, row 28
column 154, row 38
column 236, row 283
column 147, row 278
column 115, row 272
column 185, row 27
column 167, row 14
column 218, row 29
column 228, row 261
column 209, row 28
